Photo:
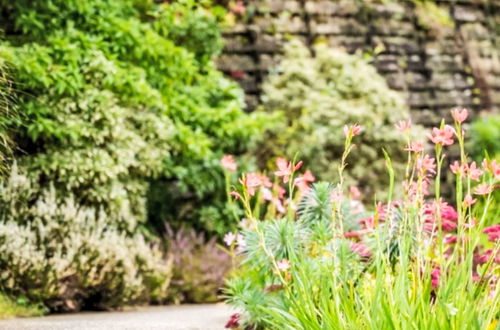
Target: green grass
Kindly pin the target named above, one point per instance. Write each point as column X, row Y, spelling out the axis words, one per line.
column 20, row 308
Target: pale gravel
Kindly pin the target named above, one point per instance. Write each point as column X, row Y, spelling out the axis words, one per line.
column 183, row 317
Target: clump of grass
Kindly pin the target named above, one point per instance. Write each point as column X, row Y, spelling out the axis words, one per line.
column 19, row 308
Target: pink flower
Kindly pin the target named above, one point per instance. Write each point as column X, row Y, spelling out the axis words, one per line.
column 235, row 194
column 493, row 232
column 266, row 194
column 415, row 147
column 361, row 249
column 279, row 205
column 448, row 225
column 304, row 181
column 283, row 265
column 251, row 181
column 469, row 201
column 483, row 189
column 403, row 125
column 354, row 192
column 460, row 115
column 485, row 257
column 493, row 167
column 279, row 190
column 474, row 172
column 448, row 212
column 426, row 164
column 352, row 130
column 442, row 136
column 357, row 233
column 229, row 238
column 240, row 241
column 285, row 169
column 238, row 8
column 456, row 168
column 266, row 182
column 336, row 196
column 227, row 162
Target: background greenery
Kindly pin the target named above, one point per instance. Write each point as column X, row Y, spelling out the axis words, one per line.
column 316, row 96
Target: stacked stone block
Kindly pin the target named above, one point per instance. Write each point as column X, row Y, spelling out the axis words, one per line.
column 458, row 66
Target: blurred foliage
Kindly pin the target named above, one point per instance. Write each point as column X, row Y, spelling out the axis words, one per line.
column 485, row 137
column 70, row 257
column 316, row 96
column 432, row 17
column 118, row 94
column 485, row 143
column 199, row 267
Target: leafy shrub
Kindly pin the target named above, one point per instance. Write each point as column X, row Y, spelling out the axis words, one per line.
column 199, row 267
column 118, row 94
column 485, row 137
column 316, row 96
column 70, row 257
column 412, row 263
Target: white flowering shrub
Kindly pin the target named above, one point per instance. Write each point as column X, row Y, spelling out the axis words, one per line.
column 317, row 94
column 70, row 257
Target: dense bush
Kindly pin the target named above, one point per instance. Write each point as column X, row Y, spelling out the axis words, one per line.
column 316, row 96
column 118, row 94
column 69, row 257
column 415, row 263
column 485, row 137
column 199, row 267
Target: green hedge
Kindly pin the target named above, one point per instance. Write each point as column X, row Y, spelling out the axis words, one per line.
column 123, row 119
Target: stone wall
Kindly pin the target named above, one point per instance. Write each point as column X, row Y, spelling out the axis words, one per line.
column 437, row 66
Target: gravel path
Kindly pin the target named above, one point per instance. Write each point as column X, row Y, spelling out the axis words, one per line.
column 184, row 317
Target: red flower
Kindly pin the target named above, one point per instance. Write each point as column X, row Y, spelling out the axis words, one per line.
column 238, row 74
column 234, row 321
column 450, row 239
column 435, row 276
column 493, row 232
